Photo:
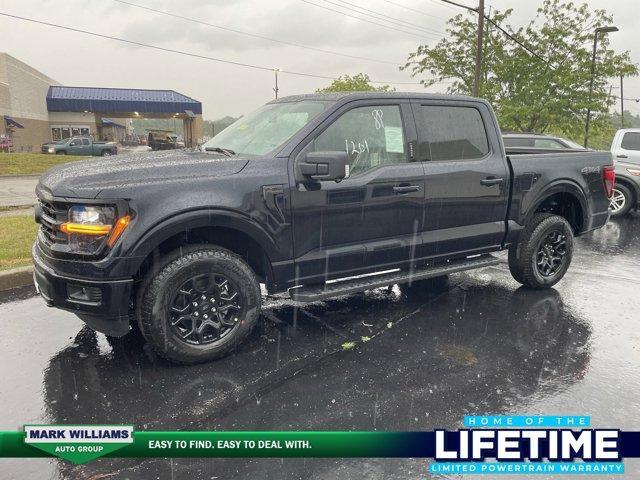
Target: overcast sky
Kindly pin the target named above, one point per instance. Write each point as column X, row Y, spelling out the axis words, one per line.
column 80, row 60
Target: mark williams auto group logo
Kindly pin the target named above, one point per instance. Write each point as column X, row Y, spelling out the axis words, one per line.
column 78, row 444
column 527, row 445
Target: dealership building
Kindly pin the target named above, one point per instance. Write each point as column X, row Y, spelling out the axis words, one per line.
column 35, row 109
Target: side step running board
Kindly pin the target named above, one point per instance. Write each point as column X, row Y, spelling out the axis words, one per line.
column 328, row 290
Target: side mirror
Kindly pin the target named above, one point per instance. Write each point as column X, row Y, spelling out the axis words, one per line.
column 324, row 166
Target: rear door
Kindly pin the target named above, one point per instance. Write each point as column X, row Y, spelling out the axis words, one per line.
column 87, row 148
column 370, row 220
column 466, row 177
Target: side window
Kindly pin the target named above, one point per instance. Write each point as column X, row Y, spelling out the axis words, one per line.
column 452, row 133
column 85, row 141
column 372, row 136
column 547, row 143
column 631, row 141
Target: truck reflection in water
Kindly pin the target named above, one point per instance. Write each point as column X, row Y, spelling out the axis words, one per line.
column 419, row 361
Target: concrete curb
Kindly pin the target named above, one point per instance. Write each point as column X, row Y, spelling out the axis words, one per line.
column 16, row 277
column 20, row 175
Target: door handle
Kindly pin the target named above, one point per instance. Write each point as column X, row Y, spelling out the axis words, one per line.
column 621, row 156
column 402, row 189
column 489, row 181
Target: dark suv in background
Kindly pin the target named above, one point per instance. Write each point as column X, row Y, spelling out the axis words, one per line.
column 538, row 140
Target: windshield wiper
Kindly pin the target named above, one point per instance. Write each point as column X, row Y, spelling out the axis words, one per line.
column 225, row 151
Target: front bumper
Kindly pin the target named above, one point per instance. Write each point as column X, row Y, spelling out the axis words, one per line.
column 104, row 305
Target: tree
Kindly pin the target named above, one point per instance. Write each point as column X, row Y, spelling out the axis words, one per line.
column 358, row 83
column 547, row 92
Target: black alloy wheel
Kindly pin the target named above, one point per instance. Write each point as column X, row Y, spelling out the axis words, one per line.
column 205, row 309
column 199, row 303
column 543, row 252
column 551, row 253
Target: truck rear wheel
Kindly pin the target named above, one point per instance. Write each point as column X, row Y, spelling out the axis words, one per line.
column 199, row 305
column 543, row 253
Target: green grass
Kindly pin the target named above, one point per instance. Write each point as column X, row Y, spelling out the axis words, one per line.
column 31, row 163
column 17, row 234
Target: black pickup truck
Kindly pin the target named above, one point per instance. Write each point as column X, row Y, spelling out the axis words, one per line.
column 317, row 195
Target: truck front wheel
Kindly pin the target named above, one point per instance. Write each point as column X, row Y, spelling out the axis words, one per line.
column 543, row 253
column 198, row 305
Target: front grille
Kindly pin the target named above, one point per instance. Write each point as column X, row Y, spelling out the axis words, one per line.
column 53, row 215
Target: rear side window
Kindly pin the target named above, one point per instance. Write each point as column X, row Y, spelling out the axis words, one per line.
column 452, row 133
column 631, row 141
column 85, row 141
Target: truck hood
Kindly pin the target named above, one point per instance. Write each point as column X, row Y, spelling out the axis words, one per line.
column 106, row 177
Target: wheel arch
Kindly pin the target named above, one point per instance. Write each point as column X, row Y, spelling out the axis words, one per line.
column 633, row 188
column 565, row 199
column 225, row 229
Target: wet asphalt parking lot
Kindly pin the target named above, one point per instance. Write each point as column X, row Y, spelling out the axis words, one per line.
column 421, row 360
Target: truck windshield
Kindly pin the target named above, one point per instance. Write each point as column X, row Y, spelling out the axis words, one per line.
column 267, row 128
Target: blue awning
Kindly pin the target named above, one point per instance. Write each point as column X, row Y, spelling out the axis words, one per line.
column 119, row 100
column 11, row 123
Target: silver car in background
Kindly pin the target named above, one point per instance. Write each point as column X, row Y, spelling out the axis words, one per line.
column 625, row 150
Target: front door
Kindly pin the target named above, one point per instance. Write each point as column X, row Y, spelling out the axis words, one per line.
column 370, row 220
column 466, row 178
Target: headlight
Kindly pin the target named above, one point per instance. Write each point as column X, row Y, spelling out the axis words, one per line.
column 90, row 227
column 634, row 171
column 52, row 150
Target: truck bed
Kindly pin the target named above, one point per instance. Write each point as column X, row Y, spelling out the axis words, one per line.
column 534, row 176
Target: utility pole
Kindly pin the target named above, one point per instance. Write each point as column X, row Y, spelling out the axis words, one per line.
column 276, row 70
column 621, row 101
column 597, row 32
column 479, row 44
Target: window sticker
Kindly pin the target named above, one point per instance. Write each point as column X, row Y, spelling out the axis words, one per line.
column 393, row 139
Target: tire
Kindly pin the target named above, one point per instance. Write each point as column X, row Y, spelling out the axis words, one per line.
column 543, row 252
column 62, row 152
column 621, row 201
column 106, row 153
column 198, row 272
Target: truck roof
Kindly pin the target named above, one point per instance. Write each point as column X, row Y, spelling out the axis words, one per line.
column 350, row 96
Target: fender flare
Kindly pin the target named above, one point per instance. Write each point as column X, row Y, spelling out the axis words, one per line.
column 630, row 184
column 560, row 186
column 191, row 219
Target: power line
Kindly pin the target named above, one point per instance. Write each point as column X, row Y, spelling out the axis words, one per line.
column 508, row 35
column 189, row 54
column 254, row 35
column 389, row 27
column 384, row 17
column 495, row 24
column 442, row 4
column 449, row 3
column 414, row 10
